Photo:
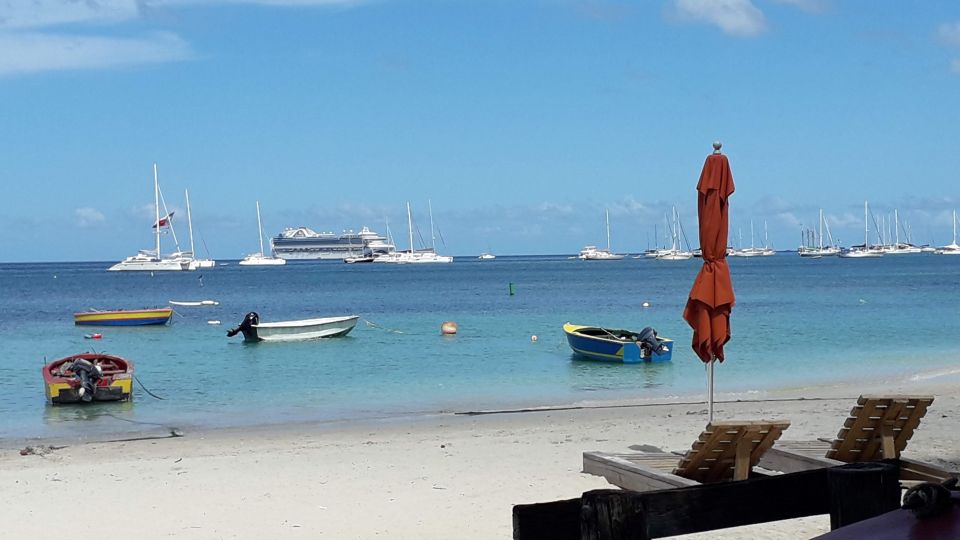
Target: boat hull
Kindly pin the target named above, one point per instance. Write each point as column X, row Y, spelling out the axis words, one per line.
column 115, row 384
column 326, row 327
column 132, row 317
column 612, row 348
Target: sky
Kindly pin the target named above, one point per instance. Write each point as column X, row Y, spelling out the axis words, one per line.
column 519, row 122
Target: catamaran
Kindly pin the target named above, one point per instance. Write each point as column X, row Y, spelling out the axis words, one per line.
column 951, row 248
column 592, row 253
column 260, row 259
column 414, row 256
column 150, row 260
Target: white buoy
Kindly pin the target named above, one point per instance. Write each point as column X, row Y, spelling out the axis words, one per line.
column 448, row 328
column 533, row 338
column 645, row 304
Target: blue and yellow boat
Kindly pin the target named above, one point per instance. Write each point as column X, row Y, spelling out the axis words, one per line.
column 123, row 317
column 615, row 345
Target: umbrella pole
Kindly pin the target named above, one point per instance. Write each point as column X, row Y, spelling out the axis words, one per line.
column 710, row 390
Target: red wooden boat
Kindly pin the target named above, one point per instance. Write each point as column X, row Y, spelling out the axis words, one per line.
column 88, row 377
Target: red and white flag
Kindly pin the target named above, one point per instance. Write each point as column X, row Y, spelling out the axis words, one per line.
column 164, row 221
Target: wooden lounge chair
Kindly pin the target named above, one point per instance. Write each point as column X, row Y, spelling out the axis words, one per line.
column 724, row 451
column 878, row 428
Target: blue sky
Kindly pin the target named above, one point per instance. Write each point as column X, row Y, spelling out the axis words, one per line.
column 521, row 121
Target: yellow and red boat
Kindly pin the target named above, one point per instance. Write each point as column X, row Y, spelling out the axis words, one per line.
column 123, row 317
column 88, row 377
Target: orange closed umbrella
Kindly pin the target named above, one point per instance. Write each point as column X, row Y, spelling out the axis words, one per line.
column 711, row 298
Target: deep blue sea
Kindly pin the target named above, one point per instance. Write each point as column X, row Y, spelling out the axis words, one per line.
column 797, row 322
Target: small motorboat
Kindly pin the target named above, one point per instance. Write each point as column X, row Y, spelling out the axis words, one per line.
column 325, row 327
column 614, row 345
column 194, row 303
column 87, row 377
column 123, row 317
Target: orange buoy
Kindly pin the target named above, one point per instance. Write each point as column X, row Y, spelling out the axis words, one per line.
column 448, row 328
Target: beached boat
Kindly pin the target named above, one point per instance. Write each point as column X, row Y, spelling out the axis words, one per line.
column 614, row 345
column 88, row 377
column 123, row 317
column 324, row 327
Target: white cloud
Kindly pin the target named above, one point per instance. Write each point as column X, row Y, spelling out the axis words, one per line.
column 734, row 17
column 19, row 14
column 949, row 34
column 36, row 52
column 87, row 216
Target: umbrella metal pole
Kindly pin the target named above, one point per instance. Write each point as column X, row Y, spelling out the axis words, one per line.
column 710, row 390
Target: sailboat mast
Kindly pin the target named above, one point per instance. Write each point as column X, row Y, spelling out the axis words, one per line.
column 260, row 228
column 608, row 229
column 865, row 228
column 186, row 195
column 954, row 227
column 156, row 206
column 433, row 239
column 821, row 229
column 410, row 227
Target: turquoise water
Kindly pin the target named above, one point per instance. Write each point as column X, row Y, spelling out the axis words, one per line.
column 796, row 322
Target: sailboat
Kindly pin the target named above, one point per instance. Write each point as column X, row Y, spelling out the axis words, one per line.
column 195, row 262
column 592, row 253
column 150, row 260
column 865, row 251
column 898, row 247
column 952, row 248
column 675, row 252
column 413, row 256
column 259, row 259
column 810, row 250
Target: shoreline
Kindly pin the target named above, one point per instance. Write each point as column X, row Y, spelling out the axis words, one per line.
column 442, row 476
column 938, row 378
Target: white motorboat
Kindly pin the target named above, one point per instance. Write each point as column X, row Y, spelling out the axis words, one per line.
column 147, row 260
column 297, row 330
column 487, row 256
column 260, row 259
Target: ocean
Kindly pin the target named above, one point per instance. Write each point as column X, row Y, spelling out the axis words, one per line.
column 797, row 323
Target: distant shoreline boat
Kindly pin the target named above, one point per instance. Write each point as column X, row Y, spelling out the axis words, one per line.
column 593, row 253
column 123, row 317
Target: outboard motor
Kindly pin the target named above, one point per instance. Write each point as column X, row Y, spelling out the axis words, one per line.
column 88, row 374
column 248, row 327
column 649, row 341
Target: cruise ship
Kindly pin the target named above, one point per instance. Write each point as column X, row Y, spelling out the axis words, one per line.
column 303, row 243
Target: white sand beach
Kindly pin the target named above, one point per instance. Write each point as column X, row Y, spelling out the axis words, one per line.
column 443, row 477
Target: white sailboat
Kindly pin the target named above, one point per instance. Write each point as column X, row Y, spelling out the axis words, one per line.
column 675, row 252
column 951, row 248
column 414, row 256
column 865, row 251
column 195, row 262
column 147, row 260
column 592, row 253
column 820, row 250
column 260, row 259
column 898, row 247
